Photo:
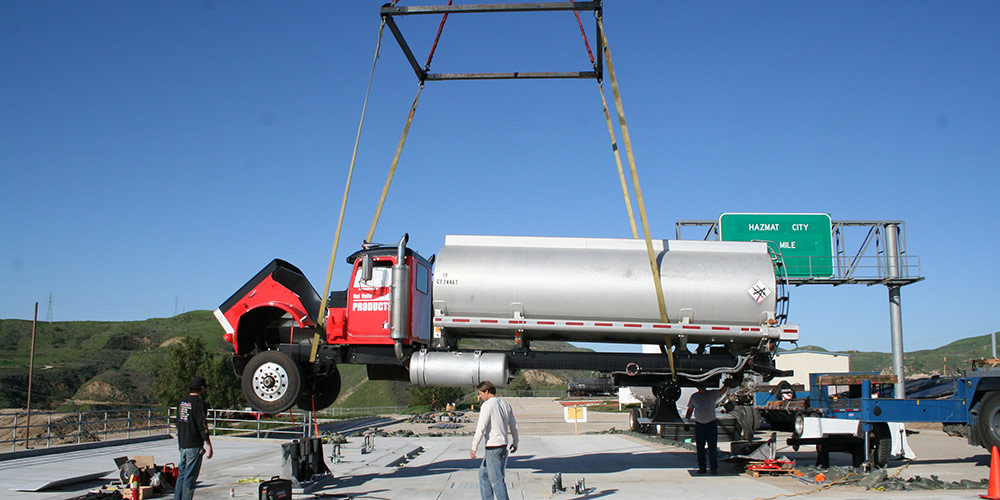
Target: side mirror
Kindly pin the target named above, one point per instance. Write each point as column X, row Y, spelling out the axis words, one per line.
column 366, row 268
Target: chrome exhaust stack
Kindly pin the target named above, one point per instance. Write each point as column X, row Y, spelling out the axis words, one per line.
column 399, row 319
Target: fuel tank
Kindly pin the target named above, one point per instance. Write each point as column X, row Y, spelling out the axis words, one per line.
column 704, row 282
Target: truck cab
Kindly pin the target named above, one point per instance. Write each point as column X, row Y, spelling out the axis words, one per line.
column 272, row 323
column 368, row 301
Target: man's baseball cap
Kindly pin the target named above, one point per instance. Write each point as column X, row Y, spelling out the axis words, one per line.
column 198, row 383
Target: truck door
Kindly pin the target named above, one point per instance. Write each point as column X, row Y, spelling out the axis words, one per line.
column 368, row 306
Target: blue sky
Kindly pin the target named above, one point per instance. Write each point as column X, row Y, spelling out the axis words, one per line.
column 154, row 156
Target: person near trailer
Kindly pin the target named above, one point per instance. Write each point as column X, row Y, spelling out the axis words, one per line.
column 706, row 429
column 192, row 438
column 496, row 421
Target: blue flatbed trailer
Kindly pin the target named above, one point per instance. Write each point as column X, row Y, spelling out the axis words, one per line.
column 975, row 403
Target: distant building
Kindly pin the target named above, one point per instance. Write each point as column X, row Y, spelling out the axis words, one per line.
column 805, row 362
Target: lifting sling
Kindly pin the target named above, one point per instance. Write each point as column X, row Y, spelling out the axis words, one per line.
column 343, row 206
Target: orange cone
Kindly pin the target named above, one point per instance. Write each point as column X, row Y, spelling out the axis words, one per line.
column 993, row 493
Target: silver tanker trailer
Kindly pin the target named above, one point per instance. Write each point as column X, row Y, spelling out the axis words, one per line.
column 404, row 315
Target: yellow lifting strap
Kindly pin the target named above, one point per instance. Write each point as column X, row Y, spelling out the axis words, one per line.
column 343, row 207
column 635, row 176
column 618, row 161
column 395, row 161
column 670, row 356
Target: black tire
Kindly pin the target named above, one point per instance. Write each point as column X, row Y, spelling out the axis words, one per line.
column 272, row 382
column 744, row 427
column 882, row 448
column 633, row 420
column 988, row 421
column 879, row 447
column 322, row 393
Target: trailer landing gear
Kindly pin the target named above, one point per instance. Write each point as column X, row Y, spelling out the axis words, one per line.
column 667, row 393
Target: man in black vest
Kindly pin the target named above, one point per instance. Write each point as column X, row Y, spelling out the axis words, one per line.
column 192, row 436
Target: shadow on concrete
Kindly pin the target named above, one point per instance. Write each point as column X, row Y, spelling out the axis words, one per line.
column 979, row 460
column 724, row 470
column 358, row 494
column 579, row 464
column 598, row 494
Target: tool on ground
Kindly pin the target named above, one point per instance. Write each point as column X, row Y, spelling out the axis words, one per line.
column 302, row 459
column 275, row 488
column 557, row 485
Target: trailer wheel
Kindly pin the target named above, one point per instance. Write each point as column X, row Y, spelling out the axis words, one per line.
column 881, row 445
column 633, row 420
column 271, row 382
column 988, row 422
column 323, row 392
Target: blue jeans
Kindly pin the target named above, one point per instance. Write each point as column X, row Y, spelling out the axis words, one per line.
column 707, row 434
column 491, row 474
column 187, row 473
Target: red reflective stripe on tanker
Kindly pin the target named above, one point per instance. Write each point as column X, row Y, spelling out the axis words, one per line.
column 726, row 328
column 461, row 320
column 790, row 331
column 603, row 324
column 515, row 322
column 662, row 326
column 488, row 321
column 633, row 325
column 546, row 322
column 574, row 323
column 438, row 320
column 687, row 327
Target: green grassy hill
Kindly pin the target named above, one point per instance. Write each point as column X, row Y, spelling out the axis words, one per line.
column 101, row 361
column 956, row 355
column 112, row 363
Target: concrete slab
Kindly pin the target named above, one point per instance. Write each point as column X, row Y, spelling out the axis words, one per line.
column 613, row 465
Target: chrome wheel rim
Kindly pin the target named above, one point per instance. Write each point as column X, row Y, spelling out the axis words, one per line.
column 270, row 382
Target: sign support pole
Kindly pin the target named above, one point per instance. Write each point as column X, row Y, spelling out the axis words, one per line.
column 895, row 310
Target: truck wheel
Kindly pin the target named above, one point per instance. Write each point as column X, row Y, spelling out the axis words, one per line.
column 633, row 420
column 988, row 422
column 881, row 446
column 323, row 392
column 271, row 382
column 744, row 424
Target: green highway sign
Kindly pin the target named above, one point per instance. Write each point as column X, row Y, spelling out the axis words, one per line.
column 805, row 241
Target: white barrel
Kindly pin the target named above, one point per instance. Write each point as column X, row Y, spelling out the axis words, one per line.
column 704, row 282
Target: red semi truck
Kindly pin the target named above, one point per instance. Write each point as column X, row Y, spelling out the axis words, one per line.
column 403, row 316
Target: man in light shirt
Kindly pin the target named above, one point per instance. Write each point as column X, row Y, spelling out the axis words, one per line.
column 706, row 429
column 496, row 420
